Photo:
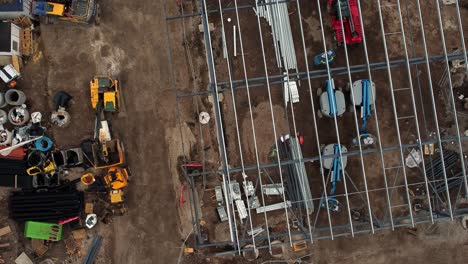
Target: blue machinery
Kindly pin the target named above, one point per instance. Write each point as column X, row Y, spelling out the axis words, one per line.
column 367, row 99
column 331, row 97
column 366, row 104
column 335, row 174
column 332, row 101
column 333, row 204
column 321, row 59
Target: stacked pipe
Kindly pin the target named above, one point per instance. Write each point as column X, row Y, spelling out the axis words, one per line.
column 297, row 187
column 45, row 206
column 291, row 191
column 277, row 17
column 93, row 250
column 435, row 171
column 434, row 168
column 13, row 173
column 301, row 173
column 453, row 182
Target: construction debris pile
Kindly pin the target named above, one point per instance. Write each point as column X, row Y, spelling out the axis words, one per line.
column 77, row 187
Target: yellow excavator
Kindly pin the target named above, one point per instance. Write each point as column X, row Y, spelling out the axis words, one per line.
column 76, row 11
column 116, row 179
column 105, row 97
column 105, row 91
column 107, row 152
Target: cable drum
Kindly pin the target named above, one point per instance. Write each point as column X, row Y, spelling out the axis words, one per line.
column 36, row 158
column 15, row 97
column 43, row 144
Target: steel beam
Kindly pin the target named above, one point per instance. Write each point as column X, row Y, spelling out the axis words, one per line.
column 318, row 74
column 316, row 158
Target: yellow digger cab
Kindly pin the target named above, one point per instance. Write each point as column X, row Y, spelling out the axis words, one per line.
column 55, row 9
column 116, row 178
column 105, row 90
column 116, row 196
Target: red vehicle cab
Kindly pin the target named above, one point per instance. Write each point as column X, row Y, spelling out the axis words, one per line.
column 351, row 21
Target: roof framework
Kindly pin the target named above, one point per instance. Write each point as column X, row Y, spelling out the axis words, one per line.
column 414, row 66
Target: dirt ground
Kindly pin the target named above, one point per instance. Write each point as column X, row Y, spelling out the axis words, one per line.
column 130, row 44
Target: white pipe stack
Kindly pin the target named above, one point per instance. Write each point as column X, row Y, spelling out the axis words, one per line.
column 277, row 17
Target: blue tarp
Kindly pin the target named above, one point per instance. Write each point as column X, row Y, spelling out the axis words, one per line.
column 39, row 8
column 14, row 6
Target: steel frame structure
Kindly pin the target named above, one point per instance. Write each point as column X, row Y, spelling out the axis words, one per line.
column 309, row 231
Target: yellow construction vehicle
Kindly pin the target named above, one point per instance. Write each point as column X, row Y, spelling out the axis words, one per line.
column 116, row 178
column 117, row 202
column 87, row 179
column 76, row 11
column 116, row 196
column 107, row 154
column 105, row 93
column 41, row 8
column 105, row 97
column 48, row 167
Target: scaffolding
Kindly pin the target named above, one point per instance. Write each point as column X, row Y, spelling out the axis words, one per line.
column 428, row 194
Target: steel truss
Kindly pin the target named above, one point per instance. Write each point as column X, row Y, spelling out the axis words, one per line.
column 308, row 231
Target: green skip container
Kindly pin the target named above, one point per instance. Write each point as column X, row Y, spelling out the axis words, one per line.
column 44, row 231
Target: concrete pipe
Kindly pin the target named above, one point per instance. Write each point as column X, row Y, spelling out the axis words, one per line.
column 60, row 118
column 251, row 253
column 465, row 222
column 5, row 137
column 276, row 249
column 3, row 103
column 15, row 97
column 36, row 158
column 18, row 115
column 3, row 117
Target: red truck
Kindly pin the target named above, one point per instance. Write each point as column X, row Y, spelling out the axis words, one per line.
column 351, row 21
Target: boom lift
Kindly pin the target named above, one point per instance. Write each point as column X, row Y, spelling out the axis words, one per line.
column 332, row 101
column 333, row 165
column 364, row 97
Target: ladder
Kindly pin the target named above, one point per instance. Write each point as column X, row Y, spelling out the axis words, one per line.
column 399, row 119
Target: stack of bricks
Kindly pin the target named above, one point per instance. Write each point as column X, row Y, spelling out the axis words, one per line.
column 26, row 48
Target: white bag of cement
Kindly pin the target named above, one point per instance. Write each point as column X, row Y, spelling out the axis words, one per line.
column 413, row 159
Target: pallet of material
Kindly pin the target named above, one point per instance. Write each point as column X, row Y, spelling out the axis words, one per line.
column 5, row 230
column 26, row 42
column 23, row 22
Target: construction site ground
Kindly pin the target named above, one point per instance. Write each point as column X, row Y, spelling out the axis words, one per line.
column 133, row 44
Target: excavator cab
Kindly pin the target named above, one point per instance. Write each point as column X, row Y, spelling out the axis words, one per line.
column 105, row 91
column 41, row 8
column 116, row 178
